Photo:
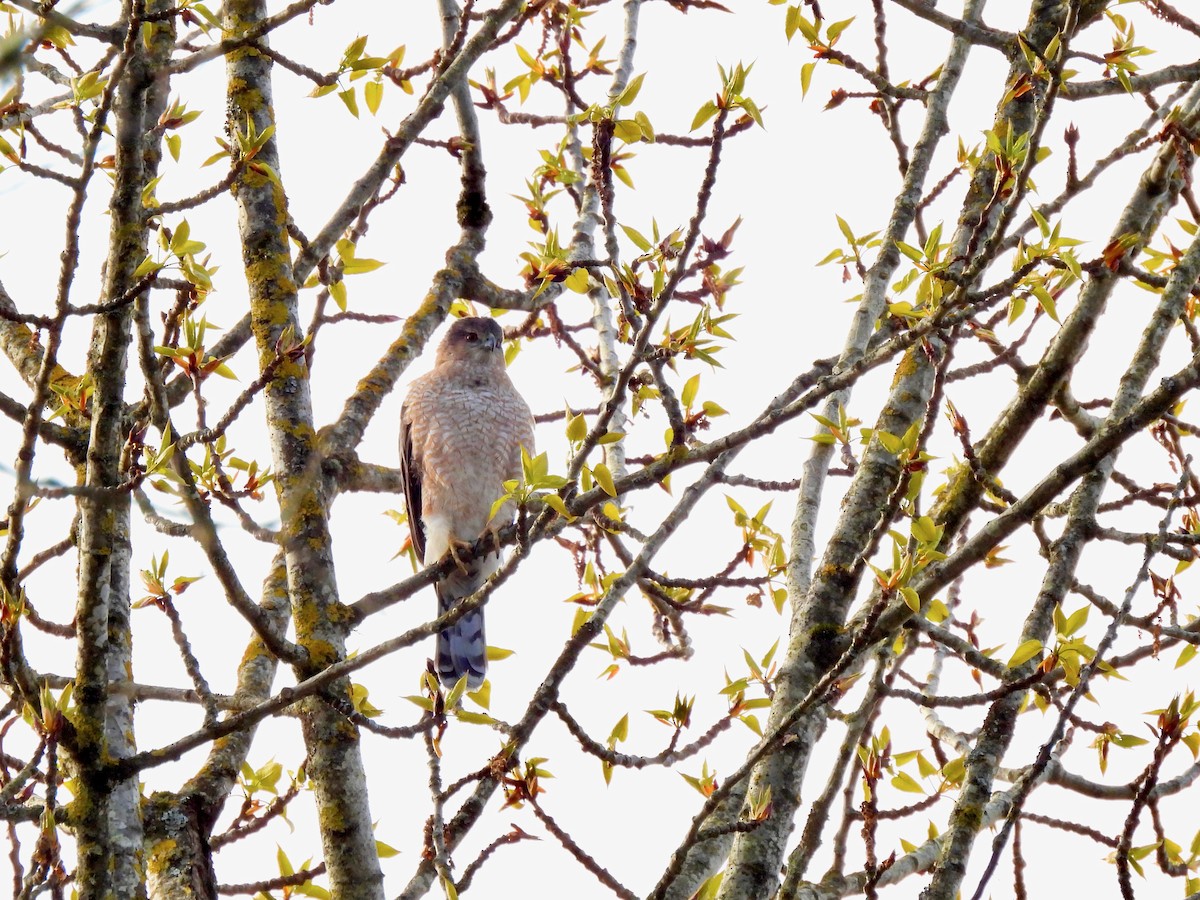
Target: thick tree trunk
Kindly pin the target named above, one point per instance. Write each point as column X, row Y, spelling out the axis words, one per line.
column 109, row 824
column 334, row 759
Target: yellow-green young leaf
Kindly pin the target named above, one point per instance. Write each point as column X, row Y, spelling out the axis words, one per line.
column 449, row 888
column 938, row 612
column 925, row 767
column 1016, row 307
column 890, row 442
column 337, row 290
column 6, row 150
column 706, row 112
column 734, row 687
column 147, row 266
column 644, row 124
column 576, row 428
column 355, row 48
column 954, row 770
column 456, row 692
column 905, row 782
column 1186, row 655
column 268, row 172
column 174, row 142
column 578, row 281
column 631, row 91
column 500, row 501
column 179, row 239
column 357, row 266
column 636, row 236
column 556, row 503
column 845, row 229
column 1075, row 621
column 149, row 201
column 1125, row 741
column 58, row 36
column 581, row 616
column 911, row 598
column 906, row 846
column 359, row 697
column 610, row 437
column 1045, row 301
column 495, row 654
column 627, row 130
column 752, row 110
column 473, row 718
column 373, row 94
column 604, row 479
column 1193, row 743
column 350, row 100
column 512, row 351
column 690, row 388
column 385, row 851
column 1139, row 853
column 212, row 159
column 362, row 66
column 620, row 731
column 482, row 696
column 834, row 31
column 926, row 531
column 790, row 20
column 1072, row 264
column 710, row 888
column 1025, row 652
column 806, row 74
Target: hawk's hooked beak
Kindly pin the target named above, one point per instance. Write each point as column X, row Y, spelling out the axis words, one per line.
column 491, row 342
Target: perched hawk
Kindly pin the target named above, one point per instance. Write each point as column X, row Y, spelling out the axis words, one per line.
column 462, row 428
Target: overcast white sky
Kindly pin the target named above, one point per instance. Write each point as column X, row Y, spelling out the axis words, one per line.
column 786, row 181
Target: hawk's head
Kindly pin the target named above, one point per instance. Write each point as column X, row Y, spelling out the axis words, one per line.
column 473, row 341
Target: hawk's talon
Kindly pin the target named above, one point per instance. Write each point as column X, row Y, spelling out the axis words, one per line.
column 456, row 547
column 491, row 539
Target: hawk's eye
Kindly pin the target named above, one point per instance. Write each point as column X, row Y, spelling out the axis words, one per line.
column 472, row 337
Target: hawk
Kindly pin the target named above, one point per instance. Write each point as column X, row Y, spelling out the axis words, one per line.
column 462, row 427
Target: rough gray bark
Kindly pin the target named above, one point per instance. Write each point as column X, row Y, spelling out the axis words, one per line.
column 818, row 605
column 111, row 862
column 1158, row 191
column 334, row 758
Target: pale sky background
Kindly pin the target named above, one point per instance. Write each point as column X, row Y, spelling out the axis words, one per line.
column 787, row 181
